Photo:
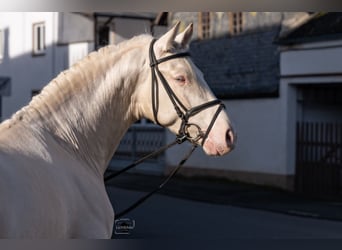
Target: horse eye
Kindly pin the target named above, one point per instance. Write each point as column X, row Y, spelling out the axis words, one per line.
column 180, row 79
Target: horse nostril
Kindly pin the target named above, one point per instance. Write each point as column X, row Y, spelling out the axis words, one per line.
column 230, row 138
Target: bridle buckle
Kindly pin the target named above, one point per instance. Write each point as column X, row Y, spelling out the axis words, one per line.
column 181, row 138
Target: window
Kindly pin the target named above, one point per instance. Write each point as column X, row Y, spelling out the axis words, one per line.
column 204, row 25
column 39, row 46
column 235, row 23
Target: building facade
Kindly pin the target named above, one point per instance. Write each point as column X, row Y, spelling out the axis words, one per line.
column 36, row 47
column 241, row 63
column 281, row 84
column 311, row 76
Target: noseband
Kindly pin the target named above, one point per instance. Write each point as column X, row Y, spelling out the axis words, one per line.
column 183, row 113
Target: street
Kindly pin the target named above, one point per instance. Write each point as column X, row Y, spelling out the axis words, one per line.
column 162, row 217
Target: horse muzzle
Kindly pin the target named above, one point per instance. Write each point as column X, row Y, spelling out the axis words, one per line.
column 218, row 143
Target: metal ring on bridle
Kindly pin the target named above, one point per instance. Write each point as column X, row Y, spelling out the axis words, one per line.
column 193, row 139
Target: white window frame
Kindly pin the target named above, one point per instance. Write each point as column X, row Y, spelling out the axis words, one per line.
column 38, row 41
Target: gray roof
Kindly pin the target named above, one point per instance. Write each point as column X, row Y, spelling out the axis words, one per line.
column 319, row 27
column 241, row 66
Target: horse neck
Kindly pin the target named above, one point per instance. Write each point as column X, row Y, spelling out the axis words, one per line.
column 89, row 107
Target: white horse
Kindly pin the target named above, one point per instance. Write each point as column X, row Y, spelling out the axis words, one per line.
column 54, row 151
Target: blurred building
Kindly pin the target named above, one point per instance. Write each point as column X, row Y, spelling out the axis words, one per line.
column 34, row 48
column 280, row 77
column 241, row 63
column 311, row 83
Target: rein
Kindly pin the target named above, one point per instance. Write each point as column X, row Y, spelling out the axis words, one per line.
column 183, row 113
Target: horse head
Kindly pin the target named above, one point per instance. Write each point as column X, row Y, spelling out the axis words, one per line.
column 180, row 98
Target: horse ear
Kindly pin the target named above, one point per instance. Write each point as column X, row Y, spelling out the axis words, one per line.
column 184, row 38
column 165, row 42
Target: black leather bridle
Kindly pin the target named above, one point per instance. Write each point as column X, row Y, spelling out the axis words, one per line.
column 183, row 113
column 183, row 133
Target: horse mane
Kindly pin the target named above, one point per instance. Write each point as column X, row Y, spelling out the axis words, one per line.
column 73, row 79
